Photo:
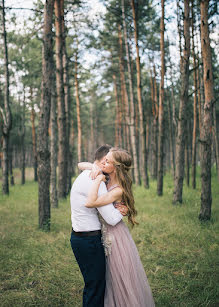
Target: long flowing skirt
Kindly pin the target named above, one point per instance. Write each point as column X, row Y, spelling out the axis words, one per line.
column 126, row 281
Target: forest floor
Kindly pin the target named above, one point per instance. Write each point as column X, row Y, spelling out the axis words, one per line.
column 179, row 253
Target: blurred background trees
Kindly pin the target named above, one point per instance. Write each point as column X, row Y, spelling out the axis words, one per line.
column 133, row 74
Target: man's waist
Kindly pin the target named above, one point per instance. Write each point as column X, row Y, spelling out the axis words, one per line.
column 86, row 233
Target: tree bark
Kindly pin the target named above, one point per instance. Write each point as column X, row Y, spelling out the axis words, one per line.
column 43, row 136
column 32, row 118
column 206, row 131
column 153, row 84
column 187, row 161
column 117, row 113
column 161, row 111
column 216, row 140
column 78, row 110
column 22, row 132
column 172, row 155
column 194, row 104
column 181, row 130
column 155, row 125
column 11, row 165
column 124, row 91
column 62, row 135
column 6, row 111
column 53, row 146
column 143, row 164
column 66, row 98
column 131, row 120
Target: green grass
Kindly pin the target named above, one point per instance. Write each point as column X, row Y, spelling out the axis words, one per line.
column 179, row 253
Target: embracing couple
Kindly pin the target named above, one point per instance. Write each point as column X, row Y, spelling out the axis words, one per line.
column 101, row 242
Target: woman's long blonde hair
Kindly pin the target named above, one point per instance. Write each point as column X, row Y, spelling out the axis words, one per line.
column 123, row 162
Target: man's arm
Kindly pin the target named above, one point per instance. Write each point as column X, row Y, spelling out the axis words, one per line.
column 109, row 213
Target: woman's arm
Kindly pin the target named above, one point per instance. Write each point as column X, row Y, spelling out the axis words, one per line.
column 85, row 165
column 93, row 201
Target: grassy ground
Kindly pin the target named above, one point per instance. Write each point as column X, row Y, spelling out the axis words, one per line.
column 180, row 254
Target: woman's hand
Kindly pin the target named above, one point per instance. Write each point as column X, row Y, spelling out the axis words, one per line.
column 95, row 171
column 101, row 177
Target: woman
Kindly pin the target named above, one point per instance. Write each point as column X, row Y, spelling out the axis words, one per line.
column 126, row 281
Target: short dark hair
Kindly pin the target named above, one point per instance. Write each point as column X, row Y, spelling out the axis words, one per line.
column 102, row 151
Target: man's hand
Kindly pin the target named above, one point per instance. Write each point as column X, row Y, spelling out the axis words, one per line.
column 122, row 209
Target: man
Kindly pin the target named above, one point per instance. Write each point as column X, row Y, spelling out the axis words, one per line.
column 86, row 233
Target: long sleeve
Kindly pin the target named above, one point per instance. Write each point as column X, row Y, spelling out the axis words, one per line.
column 109, row 213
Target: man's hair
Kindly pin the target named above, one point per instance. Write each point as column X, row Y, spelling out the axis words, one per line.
column 102, row 151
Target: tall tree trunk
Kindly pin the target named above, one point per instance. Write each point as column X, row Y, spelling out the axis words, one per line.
column 32, row 117
column 206, row 131
column 6, row 111
column 23, row 142
column 62, row 135
column 132, row 107
column 117, row 111
column 66, row 98
column 216, row 140
column 78, row 110
column 143, row 164
column 187, row 161
column 11, row 165
column 72, row 149
column 124, row 90
column 53, row 145
column 43, row 135
column 181, row 130
column 161, row 111
column 155, row 126
column 172, row 156
column 194, row 103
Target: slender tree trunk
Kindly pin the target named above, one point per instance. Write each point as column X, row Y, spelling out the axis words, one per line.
column 181, row 131
column 206, row 131
column 143, row 164
column 11, row 165
column 179, row 28
column 62, row 135
column 32, row 117
column 117, row 113
column 72, row 149
column 23, row 142
column 216, row 140
column 161, row 111
column 6, row 111
column 187, row 161
column 124, row 90
column 43, row 136
column 132, row 107
column 194, row 104
column 66, row 98
column 198, row 97
column 78, row 110
column 172, row 156
column 53, row 146
column 155, row 126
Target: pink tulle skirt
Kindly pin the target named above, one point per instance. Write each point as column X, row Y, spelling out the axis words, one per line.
column 126, row 281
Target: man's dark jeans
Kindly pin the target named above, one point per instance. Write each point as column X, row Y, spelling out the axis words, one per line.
column 89, row 253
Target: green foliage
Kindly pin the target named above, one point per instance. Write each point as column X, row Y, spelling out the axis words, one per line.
column 179, row 254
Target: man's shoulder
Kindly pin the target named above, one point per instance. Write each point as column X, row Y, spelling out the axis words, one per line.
column 84, row 176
